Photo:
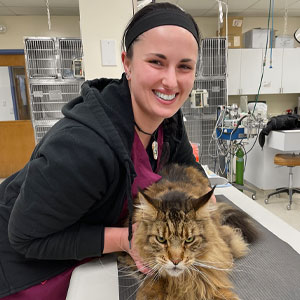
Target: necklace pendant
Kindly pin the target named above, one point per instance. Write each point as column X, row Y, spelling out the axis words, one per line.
column 155, row 149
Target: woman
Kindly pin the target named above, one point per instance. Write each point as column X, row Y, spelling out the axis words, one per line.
column 66, row 205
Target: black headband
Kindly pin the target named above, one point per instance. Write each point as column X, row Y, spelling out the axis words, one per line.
column 159, row 18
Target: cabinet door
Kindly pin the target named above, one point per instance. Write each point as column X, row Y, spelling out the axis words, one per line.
column 251, row 69
column 234, row 71
column 291, row 70
column 271, row 83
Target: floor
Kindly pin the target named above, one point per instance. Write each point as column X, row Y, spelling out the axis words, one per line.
column 277, row 205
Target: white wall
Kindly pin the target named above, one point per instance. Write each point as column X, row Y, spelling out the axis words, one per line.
column 102, row 20
column 277, row 104
column 208, row 25
column 20, row 26
column 293, row 23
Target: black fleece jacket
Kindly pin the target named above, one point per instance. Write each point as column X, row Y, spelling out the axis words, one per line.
column 53, row 212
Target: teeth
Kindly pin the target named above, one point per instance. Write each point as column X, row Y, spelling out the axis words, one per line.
column 164, row 96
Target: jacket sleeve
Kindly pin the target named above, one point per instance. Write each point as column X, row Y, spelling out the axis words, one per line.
column 63, row 181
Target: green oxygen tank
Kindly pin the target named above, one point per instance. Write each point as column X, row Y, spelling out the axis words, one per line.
column 239, row 176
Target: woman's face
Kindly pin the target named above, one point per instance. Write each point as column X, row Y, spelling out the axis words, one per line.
column 161, row 72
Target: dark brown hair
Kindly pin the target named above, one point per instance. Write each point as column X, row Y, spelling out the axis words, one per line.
column 144, row 12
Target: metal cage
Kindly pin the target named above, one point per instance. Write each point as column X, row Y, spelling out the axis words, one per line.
column 40, row 56
column 41, row 128
column 211, row 76
column 47, row 100
column 213, row 57
column 51, row 79
column 69, row 49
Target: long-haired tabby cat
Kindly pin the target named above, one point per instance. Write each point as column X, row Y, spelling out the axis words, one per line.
column 187, row 242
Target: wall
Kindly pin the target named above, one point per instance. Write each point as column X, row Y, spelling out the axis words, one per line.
column 20, row 26
column 277, row 104
column 208, row 25
column 293, row 23
column 102, row 20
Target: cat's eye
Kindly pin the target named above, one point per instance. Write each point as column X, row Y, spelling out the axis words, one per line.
column 160, row 239
column 190, row 239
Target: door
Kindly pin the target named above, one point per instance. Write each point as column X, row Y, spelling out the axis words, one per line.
column 13, row 86
column 16, row 132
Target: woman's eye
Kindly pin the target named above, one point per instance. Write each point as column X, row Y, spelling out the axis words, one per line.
column 155, row 62
column 160, row 239
column 190, row 239
column 185, row 67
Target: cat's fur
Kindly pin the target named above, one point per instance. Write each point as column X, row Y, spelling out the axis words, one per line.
column 187, row 242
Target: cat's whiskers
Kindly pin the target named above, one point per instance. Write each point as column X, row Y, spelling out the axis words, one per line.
column 130, row 296
column 211, row 267
column 204, row 276
column 215, row 262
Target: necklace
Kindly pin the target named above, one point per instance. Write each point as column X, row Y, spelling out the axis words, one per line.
column 154, row 143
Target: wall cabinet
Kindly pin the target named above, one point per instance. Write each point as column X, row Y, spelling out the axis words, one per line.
column 291, row 70
column 234, row 71
column 245, row 69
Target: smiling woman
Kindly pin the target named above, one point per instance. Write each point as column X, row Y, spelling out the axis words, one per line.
column 69, row 202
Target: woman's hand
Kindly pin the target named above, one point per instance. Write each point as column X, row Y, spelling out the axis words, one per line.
column 132, row 251
column 213, row 199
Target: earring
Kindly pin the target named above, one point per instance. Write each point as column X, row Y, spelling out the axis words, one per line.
column 127, row 76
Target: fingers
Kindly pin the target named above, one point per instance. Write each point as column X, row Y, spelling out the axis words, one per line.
column 213, row 199
column 135, row 255
column 142, row 268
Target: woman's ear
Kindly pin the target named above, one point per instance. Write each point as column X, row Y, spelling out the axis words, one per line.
column 126, row 64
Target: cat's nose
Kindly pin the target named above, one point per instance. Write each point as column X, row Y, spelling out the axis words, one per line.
column 176, row 261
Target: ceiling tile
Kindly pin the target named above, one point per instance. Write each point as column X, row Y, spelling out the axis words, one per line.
column 5, row 11
column 278, row 4
column 41, row 3
column 196, row 4
column 294, row 5
column 64, row 11
column 64, row 3
column 27, row 11
column 239, row 5
column 30, row 3
column 254, row 13
column 198, row 12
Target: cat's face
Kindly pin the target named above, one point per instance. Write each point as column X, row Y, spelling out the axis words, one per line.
column 173, row 233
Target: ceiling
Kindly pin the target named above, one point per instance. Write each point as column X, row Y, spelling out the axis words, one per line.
column 205, row 8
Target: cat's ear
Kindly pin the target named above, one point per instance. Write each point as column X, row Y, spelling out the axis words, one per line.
column 199, row 202
column 149, row 206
